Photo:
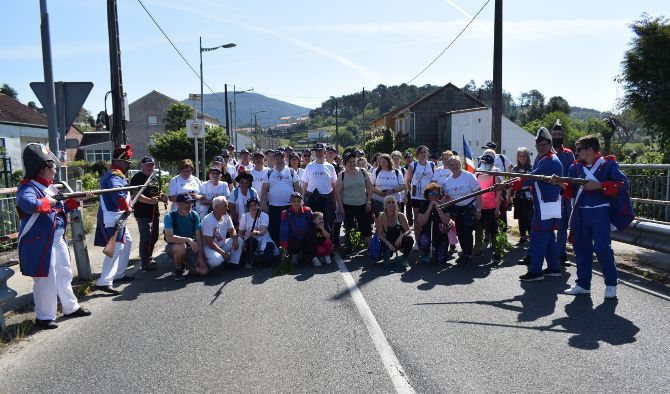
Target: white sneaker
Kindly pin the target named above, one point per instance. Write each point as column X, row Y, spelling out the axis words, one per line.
column 316, row 262
column 294, row 259
column 327, row 259
column 610, row 292
column 576, row 289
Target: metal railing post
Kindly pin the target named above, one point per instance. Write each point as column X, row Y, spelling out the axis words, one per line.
column 6, row 293
column 667, row 195
column 79, row 242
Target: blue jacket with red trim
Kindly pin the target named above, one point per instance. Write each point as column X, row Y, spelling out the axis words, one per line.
column 294, row 225
column 35, row 244
column 566, row 157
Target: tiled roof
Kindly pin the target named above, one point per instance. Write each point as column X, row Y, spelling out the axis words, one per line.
column 12, row 111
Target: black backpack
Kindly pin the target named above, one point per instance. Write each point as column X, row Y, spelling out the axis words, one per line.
column 173, row 217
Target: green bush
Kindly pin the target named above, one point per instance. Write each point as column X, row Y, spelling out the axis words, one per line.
column 90, row 182
column 16, row 177
column 99, row 167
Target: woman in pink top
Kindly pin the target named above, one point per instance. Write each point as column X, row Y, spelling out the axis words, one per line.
column 490, row 202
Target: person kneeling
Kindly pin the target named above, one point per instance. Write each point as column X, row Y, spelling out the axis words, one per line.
column 183, row 236
column 215, row 225
column 254, row 231
column 393, row 232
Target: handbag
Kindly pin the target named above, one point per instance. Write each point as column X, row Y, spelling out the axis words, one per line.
column 375, row 248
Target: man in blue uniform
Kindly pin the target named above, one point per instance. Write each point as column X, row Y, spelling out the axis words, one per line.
column 43, row 252
column 547, row 211
column 566, row 157
column 112, row 206
column 601, row 201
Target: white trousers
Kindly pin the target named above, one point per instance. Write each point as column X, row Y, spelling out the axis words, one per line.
column 214, row 259
column 115, row 267
column 58, row 285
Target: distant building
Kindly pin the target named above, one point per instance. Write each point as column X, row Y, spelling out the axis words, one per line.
column 94, row 146
column 317, row 135
column 147, row 117
column 20, row 125
column 419, row 119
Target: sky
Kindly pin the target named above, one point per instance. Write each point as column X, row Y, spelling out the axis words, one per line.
column 303, row 52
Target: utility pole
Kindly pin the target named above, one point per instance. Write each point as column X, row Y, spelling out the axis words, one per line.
column 337, row 128
column 225, row 98
column 118, row 132
column 50, row 105
column 496, row 126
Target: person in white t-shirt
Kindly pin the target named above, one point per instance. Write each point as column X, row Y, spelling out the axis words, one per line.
column 319, row 179
column 244, row 161
column 386, row 181
column 185, row 182
column 294, row 164
column 464, row 213
column 211, row 189
column 240, row 195
column 281, row 182
column 254, row 231
column 443, row 172
column 259, row 172
column 419, row 174
column 214, row 228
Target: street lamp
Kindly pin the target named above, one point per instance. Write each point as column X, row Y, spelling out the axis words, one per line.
column 258, row 138
column 235, row 93
column 202, row 96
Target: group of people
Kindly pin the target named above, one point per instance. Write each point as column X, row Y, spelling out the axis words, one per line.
column 254, row 209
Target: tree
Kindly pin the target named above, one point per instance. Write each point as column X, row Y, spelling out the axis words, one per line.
column 31, row 104
column 9, row 91
column 177, row 115
column 85, row 117
column 344, row 138
column 532, row 106
column 557, row 103
column 173, row 146
column 646, row 76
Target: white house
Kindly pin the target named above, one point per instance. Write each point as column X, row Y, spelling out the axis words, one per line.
column 475, row 124
column 20, row 125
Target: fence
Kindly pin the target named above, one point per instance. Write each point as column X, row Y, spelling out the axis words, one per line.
column 650, row 190
column 9, row 220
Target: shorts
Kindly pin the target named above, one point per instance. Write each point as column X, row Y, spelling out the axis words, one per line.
column 191, row 256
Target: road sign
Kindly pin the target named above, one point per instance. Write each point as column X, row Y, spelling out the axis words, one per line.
column 69, row 103
column 195, row 128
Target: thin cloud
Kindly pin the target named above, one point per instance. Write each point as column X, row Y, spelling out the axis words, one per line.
column 364, row 71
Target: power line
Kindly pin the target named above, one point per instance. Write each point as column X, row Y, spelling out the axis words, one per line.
column 450, row 44
column 179, row 52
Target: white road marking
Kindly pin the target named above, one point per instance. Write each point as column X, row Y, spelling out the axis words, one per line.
column 389, row 359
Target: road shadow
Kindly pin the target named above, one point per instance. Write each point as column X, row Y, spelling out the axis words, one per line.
column 587, row 326
column 537, row 300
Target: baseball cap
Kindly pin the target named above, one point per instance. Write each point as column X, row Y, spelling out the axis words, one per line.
column 218, row 159
column 487, row 158
column 318, row 146
column 279, row 153
column 331, row 149
column 213, row 169
column 185, row 197
column 147, row 159
column 230, row 147
column 243, row 151
column 296, row 195
column 491, row 145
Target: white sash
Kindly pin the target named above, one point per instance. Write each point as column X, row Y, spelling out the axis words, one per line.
column 548, row 210
column 589, row 176
column 109, row 217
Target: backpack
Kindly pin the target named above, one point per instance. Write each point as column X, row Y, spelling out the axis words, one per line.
column 173, row 217
column 341, row 174
column 236, row 193
column 416, row 163
column 292, row 173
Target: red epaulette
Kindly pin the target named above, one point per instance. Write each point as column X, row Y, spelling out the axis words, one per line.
column 610, row 158
column 576, row 161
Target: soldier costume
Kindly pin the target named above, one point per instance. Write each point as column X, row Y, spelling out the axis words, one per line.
column 566, row 157
column 43, row 251
column 546, row 213
column 594, row 211
column 112, row 206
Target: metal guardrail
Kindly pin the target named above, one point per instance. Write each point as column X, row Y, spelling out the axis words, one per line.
column 6, row 293
column 650, row 190
column 647, row 234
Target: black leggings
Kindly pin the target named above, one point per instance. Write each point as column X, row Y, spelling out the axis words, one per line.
column 489, row 222
column 361, row 217
column 392, row 234
column 523, row 211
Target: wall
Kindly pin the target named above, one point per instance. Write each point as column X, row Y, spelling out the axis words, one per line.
column 138, row 130
column 16, row 136
column 476, row 125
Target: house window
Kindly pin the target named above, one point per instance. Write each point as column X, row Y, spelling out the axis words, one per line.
column 152, row 120
column 98, row 154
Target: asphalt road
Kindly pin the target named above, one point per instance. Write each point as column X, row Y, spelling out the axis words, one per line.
column 451, row 328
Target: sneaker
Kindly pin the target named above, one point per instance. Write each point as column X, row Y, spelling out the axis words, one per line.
column 524, row 261
column 522, row 241
column 496, row 260
column 550, row 272
column 464, row 260
column 294, row 259
column 576, row 289
column 387, row 258
column 316, row 262
column 327, row 260
column 179, row 274
column 148, row 267
column 564, row 261
column 404, row 262
column 610, row 292
column 452, row 249
column 531, row 277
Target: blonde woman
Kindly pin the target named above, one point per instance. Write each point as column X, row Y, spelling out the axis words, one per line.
column 393, row 231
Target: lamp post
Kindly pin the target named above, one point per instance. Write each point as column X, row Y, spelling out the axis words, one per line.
column 202, row 96
column 258, row 137
column 235, row 93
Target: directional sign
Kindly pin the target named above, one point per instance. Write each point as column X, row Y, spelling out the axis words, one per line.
column 73, row 96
